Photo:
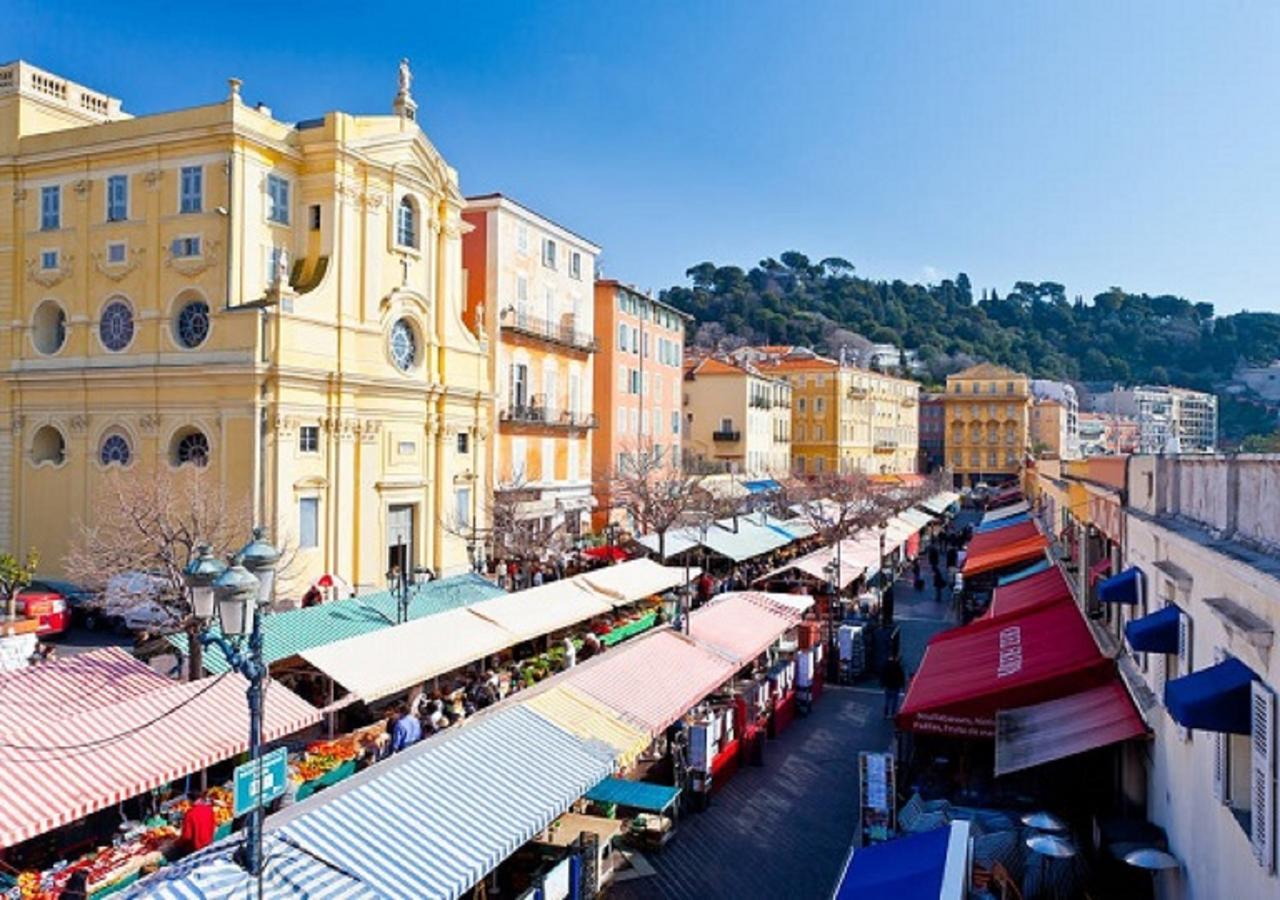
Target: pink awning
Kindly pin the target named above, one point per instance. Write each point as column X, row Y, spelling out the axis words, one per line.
column 738, row 627
column 1034, row 735
column 87, row 760
column 654, row 680
column 74, row 684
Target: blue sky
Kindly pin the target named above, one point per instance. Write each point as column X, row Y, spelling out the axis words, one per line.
column 1094, row 144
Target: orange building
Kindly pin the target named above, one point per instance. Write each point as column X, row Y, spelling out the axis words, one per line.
column 637, row 383
column 529, row 292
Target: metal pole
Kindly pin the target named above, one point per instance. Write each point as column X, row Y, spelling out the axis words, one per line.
column 256, row 673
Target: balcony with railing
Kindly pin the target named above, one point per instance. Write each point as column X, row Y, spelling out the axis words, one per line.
column 886, row 445
column 727, row 437
column 858, row 393
column 761, row 403
column 536, row 414
column 562, row 334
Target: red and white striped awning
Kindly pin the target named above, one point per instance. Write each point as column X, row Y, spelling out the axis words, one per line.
column 653, row 680
column 739, row 627
column 72, row 685
column 58, row 768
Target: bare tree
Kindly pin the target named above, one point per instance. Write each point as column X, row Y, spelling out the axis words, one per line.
column 510, row 532
column 656, row 494
column 153, row 525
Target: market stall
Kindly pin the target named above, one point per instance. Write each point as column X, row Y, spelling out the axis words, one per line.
column 290, row 633
column 649, row 809
column 653, row 679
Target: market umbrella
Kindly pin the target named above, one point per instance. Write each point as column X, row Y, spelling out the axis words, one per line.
column 1044, row 821
column 1151, row 859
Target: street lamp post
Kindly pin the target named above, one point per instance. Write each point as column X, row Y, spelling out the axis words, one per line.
column 405, row 586
column 885, row 614
column 242, row 593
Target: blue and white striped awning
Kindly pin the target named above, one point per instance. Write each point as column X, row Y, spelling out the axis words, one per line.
column 430, row 824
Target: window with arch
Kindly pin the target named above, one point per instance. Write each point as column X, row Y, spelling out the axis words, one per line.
column 115, row 327
column 407, row 223
column 115, row 450
column 49, row 327
column 190, row 447
column 403, row 344
column 48, row 446
column 192, row 324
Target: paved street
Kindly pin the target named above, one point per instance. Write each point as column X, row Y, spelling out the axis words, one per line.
column 783, row 830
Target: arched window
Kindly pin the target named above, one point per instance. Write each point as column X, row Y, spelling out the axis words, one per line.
column 48, row 446
column 407, row 223
column 49, row 327
column 115, row 450
column 190, row 447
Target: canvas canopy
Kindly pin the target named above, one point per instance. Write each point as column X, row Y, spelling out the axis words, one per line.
column 969, row 674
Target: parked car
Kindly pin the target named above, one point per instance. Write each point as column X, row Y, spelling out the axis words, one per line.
column 84, row 603
column 130, row 604
column 50, row 607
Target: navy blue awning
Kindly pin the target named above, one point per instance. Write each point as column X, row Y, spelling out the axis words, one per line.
column 1155, row 632
column 1218, row 698
column 1123, row 588
column 907, row 868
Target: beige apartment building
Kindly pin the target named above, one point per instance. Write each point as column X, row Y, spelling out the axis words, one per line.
column 736, row 418
column 845, row 419
column 529, row 290
column 988, row 423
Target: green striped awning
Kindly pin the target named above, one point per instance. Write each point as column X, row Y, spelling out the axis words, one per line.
column 289, row 633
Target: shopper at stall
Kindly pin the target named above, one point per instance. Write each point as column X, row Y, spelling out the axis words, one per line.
column 892, row 679
column 77, row 886
column 406, row 729
column 198, row 825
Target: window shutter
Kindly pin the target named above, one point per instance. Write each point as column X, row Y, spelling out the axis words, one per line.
column 1262, row 782
column 1184, row 656
column 1220, row 762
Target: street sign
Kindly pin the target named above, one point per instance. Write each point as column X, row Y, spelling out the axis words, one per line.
column 275, row 769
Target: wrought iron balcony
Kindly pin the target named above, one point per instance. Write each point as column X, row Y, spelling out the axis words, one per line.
column 886, row 445
column 562, row 334
column 726, row 436
column 761, row 402
column 541, row 416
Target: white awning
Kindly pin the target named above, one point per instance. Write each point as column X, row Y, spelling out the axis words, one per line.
column 543, row 609
column 938, row 503
column 635, row 579
column 380, row 663
column 1005, row 512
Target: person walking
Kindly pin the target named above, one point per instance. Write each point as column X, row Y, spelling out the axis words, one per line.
column 938, row 584
column 892, row 679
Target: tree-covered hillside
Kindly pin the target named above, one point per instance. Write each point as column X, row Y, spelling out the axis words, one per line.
column 1117, row 336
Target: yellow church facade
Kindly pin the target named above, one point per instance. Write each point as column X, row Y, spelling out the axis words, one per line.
column 281, row 304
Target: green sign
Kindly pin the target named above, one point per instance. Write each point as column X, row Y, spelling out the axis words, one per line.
column 249, row 793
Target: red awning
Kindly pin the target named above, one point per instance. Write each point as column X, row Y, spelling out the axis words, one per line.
column 1034, row 735
column 1029, row 593
column 614, row 554
column 998, row 537
column 969, row 674
column 1004, row 556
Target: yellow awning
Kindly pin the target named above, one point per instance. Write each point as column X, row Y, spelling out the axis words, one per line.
column 591, row 720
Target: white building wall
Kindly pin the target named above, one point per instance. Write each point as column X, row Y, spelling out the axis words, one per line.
column 1231, row 497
